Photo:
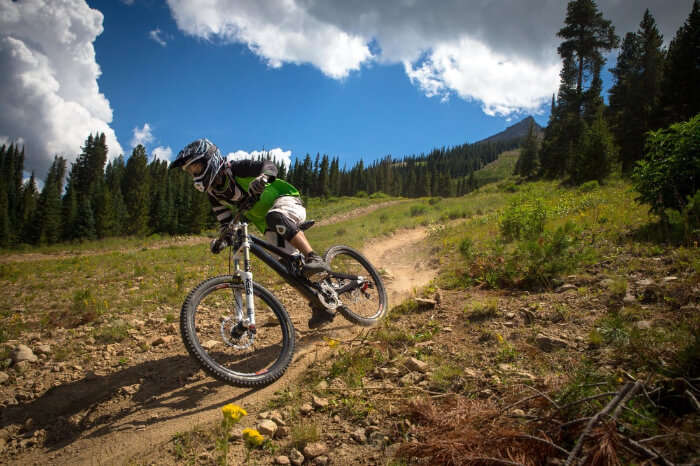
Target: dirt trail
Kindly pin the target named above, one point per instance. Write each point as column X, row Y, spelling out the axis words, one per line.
column 173, row 396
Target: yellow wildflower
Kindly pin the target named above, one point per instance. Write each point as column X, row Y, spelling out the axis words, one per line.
column 331, row 342
column 499, row 338
column 233, row 412
column 252, row 437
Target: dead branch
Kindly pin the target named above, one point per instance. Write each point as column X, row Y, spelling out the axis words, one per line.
column 493, row 460
column 519, row 402
column 590, row 398
column 693, row 400
column 543, row 395
column 630, row 393
column 575, row 421
column 543, row 440
column 612, row 405
column 649, row 452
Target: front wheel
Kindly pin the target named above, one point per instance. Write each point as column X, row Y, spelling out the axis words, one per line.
column 358, row 284
column 215, row 336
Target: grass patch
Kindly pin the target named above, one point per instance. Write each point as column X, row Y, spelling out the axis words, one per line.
column 480, row 311
column 304, row 432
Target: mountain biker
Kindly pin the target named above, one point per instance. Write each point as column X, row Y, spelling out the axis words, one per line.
column 278, row 208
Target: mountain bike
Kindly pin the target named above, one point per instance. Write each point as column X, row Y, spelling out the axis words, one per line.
column 241, row 334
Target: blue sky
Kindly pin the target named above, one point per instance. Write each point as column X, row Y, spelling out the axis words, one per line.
column 358, row 79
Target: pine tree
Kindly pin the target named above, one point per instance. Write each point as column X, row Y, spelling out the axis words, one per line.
column 30, row 198
column 680, row 99
column 634, row 98
column 527, row 162
column 136, row 189
column 48, row 214
column 594, row 158
column 323, row 177
column 85, row 221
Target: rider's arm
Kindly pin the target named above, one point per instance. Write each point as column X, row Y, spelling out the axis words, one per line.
column 223, row 214
column 246, row 167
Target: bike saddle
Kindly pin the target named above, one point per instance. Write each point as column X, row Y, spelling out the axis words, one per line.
column 306, row 225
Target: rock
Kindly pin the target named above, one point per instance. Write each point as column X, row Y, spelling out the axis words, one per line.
column 164, row 340
column 629, row 299
column 321, row 461
column 282, row 460
column 510, row 315
column 4, row 377
column 23, row 353
column 21, row 367
column 282, row 432
column 306, row 408
column 643, row 324
column 322, row 385
column 360, row 435
column 389, row 372
column 209, row 344
column 277, row 419
column 548, row 344
column 669, row 279
column 416, row 365
column 43, row 349
column 471, row 373
column 296, row 457
column 314, row 449
column 565, row 287
column 505, row 367
column 318, row 402
column 645, row 282
column 411, row 378
column 518, row 412
column 267, row 428
column 137, row 323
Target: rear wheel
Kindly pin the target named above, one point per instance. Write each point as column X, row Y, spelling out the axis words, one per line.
column 358, row 284
column 217, row 339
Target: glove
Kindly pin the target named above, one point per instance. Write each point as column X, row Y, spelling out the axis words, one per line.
column 217, row 245
column 257, row 186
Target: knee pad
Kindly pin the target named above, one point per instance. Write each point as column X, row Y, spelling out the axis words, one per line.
column 282, row 225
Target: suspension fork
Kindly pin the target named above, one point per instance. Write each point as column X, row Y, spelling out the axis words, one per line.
column 246, row 276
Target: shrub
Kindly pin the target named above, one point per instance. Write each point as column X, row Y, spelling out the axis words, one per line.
column 361, row 194
column 589, row 186
column 466, row 248
column 434, row 200
column 667, row 177
column 523, row 219
column 417, row 210
column 378, row 195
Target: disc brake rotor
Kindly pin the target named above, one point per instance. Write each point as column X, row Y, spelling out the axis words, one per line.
column 229, row 328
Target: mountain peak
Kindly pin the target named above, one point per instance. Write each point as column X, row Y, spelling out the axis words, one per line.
column 517, row 131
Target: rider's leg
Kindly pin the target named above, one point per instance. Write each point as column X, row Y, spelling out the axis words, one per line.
column 300, row 242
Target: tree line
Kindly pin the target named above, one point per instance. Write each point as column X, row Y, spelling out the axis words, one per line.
column 445, row 171
column 653, row 88
column 94, row 199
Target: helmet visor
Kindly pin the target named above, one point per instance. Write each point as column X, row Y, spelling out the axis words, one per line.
column 195, row 168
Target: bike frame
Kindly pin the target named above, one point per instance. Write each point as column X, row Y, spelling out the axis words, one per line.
column 246, row 243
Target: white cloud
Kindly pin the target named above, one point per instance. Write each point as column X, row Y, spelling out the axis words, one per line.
column 501, row 53
column 143, row 136
column 504, row 85
column 157, row 35
column 48, row 86
column 280, row 156
column 162, row 153
column 279, row 31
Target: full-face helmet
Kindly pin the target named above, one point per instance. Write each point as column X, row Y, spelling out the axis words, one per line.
column 201, row 159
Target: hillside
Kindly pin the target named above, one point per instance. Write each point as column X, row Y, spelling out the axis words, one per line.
column 520, row 342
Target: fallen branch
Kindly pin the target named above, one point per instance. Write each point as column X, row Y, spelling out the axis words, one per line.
column 590, row 398
column 544, row 395
column 693, row 400
column 495, row 460
column 612, row 405
column 543, row 440
column 575, row 421
column 649, row 452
